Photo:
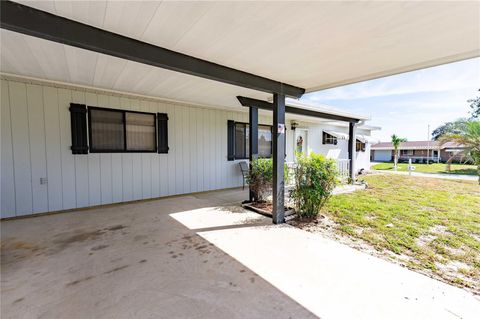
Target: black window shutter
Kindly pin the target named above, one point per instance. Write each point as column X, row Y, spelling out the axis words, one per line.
column 162, row 133
column 231, row 140
column 78, row 119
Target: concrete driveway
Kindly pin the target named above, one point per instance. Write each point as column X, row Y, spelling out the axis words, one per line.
column 202, row 256
column 134, row 261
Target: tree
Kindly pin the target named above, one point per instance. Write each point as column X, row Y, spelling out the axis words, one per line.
column 475, row 106
column 396, row 143
column 470, row 139
column 455, row 127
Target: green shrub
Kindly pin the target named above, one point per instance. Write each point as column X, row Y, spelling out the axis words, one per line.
column 315, row 179
column 260, row 178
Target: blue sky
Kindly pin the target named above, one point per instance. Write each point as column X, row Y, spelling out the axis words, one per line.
column 405, row 104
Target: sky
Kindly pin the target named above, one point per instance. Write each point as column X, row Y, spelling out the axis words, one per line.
column 407, row 103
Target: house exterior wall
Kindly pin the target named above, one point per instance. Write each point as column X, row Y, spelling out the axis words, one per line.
column 36, row 140
column 315, row 144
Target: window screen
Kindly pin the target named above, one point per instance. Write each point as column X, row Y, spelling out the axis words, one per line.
column 264, row 141
column 106, row 130
column 140, row 130
column 241, row 140
column 121, row 131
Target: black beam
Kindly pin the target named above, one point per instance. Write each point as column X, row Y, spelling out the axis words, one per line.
column 23, row 19
column 253, row 139
column 352, row 149
column 247, row 101
column 278, row 193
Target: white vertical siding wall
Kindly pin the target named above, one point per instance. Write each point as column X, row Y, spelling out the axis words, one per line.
column 36, row 140
column 315, row 144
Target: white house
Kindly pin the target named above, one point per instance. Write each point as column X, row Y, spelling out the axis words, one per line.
column 41, row 173
column 109, row 101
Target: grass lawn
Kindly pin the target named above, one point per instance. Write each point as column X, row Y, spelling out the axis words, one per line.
column 430, row 168
column 428, row 224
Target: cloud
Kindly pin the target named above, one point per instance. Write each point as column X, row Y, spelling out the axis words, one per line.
column 450, row 77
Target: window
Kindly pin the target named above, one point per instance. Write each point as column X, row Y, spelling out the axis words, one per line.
column 264, row 141
column 121, row 131
column 360, row 146
column 241, row 141
column 329, row 139
column 406, row 152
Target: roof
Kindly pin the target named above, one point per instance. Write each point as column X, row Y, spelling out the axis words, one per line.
column 324, row 108
column 415, row 145
column 302, row 45
column 344, row 136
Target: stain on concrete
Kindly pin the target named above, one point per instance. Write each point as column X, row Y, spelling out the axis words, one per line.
column 243, row 270
column 252, row 280
column 140, row 237
column 13, row 251
column 116, row 260
column 95, row 248
column 142, row 261
column 115, row 269
column 81, row 237
column 116, row 227
column 18, row 300
column 75, row 282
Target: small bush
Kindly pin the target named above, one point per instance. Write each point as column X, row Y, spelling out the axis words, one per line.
column 315, row 179
column 260, row 178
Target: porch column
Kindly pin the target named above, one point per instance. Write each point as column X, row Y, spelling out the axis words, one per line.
column 253, row 139
column 278, row 151
column 352, row 138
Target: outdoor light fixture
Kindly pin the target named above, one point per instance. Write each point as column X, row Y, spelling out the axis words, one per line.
column 294, row 125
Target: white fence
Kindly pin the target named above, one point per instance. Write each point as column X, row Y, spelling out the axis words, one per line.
column 343, row 167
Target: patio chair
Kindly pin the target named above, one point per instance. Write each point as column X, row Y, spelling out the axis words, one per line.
column 244, row 169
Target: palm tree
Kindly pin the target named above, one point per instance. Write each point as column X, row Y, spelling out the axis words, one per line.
column 396, row 143
column 470, row 139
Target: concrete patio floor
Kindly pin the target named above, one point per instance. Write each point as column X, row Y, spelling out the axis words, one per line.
column 202, row 256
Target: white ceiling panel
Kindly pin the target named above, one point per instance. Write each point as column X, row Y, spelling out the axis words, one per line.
column 313, row 45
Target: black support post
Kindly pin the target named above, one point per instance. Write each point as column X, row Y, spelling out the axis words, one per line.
column 352, row 139
column 253, row 139
column 278, row 158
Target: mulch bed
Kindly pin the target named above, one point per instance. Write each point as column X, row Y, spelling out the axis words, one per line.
column 265, row 208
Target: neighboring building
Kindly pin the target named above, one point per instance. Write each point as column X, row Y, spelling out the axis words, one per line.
column 419, row 152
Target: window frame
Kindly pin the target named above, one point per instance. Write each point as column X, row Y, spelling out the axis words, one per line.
column 362, row 147
column 124, row 112
column 246, row 127
column 333, row 140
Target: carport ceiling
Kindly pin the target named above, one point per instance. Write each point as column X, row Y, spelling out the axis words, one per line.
column 313, row 45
